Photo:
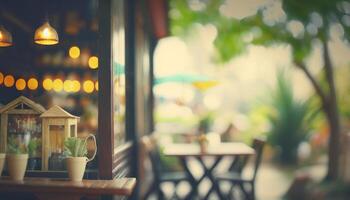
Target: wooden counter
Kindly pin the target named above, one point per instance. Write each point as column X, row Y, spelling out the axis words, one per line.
column 55, row 189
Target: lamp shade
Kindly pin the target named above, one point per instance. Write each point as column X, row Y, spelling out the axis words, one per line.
column 46, row 35
column 5, row 37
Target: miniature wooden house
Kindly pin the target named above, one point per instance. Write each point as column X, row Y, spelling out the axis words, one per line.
column 57, row 125
column 20, row 119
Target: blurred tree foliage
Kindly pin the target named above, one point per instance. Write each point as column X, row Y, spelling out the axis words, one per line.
column 300, row 25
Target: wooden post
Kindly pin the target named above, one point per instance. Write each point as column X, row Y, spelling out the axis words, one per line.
column 3, row 133
column 105, row 93
column 67, row 132
column 45, row 145
column 76, row 128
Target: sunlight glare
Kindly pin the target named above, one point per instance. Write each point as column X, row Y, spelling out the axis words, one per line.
column 240, row 9
column 172, row 56
column 212, row 101
column 296, row 28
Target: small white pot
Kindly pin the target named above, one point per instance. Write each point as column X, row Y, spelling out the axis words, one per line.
column 17, row 164
column 76, row 167
column 2, row 162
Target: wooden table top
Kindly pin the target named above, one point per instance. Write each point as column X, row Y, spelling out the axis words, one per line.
column 122, row 186
column 222, row 149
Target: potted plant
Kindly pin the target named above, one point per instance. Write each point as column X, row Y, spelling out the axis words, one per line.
column 33, row 147
column 2, row 161
column 17, row 158
column 205, row 123
column 76, row 152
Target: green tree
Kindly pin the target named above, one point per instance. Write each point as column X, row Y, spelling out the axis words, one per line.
column 314, row 18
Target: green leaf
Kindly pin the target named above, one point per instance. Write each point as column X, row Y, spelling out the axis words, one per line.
column 75, row 147
column 33, row 147
column 14, row 146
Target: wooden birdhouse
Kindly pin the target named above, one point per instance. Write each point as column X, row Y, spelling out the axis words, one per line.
column 57, row 125
column 20, row 119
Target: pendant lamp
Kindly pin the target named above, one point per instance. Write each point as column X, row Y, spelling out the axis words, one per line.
column 5, row 37
column 46, row 35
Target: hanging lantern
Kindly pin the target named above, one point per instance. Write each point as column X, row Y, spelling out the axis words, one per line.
column 5, row 37
column 46, row 35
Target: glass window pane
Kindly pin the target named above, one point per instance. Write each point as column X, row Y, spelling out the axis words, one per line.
column 118, row 60
column 56, row 139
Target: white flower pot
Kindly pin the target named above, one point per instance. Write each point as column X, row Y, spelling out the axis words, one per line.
column 17, row 164
column 2, row 162
column 76, row 167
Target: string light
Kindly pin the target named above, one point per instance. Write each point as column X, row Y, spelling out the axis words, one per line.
column 93, row 62
column 1, row 78
column 20, row 84
column 88, row 86
column 96, row 85
column 68, row 86
column 32, row 84
column 74, row 52
column 57, row 85
column 9, row 80
column 47, row 84
column 76, row 86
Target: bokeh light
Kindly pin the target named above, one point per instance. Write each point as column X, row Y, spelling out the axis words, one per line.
column 1, row 78
column 184, row 93
column 212, row 101
column 32, row 84
column 47, row 84
column 74, row 52
column 20, row 84
column 9, row 80
column 58, row 85
column 96, row 85
column 68, row 86
column 93, row 62
column 88, row 86
column 76, row 86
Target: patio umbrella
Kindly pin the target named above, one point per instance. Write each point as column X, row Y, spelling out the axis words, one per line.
column 182, row 85
column 181, row 78
column 118, row 68
column 203, row 85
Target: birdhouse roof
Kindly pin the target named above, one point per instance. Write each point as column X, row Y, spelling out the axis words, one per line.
column 25, row 101
column 56, row 111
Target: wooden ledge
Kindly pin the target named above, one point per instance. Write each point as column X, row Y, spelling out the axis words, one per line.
column 44, row 186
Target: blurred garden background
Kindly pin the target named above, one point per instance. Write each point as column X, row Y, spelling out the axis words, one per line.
column 238, row 69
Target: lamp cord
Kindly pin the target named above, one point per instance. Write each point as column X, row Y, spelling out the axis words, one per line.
column 46, row 16
column 46, row 10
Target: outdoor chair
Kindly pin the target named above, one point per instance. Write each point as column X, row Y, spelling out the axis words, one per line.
column 234, row 176
column 239, row 162
column 159, row 176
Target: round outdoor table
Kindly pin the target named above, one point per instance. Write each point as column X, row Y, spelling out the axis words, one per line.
column 217, row 151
